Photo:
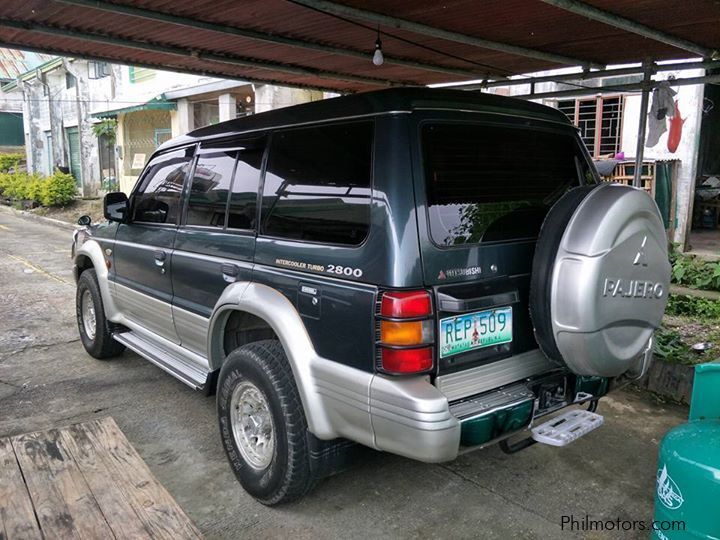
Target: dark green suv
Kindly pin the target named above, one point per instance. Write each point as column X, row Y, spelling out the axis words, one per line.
column 418, row 271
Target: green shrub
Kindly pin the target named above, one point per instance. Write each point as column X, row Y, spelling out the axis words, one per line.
column 4, row 183
column 10, row 161
column 34, row 188
column 17, row 186
column 694, row 272
column 694, row 307
column 58, row 190
column 669, row 345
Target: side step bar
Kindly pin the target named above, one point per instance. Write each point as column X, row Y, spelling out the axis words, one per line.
column 175, row 362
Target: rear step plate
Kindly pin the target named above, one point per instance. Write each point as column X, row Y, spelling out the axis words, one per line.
column 566, row 428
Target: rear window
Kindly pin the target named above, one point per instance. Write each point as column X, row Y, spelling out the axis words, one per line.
column 318, row 184
column 489, row 183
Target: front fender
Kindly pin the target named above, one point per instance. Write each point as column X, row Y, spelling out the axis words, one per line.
column 335, row 397
column 93, row 251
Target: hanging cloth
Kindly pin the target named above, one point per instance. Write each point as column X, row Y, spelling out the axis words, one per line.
column 663, row 106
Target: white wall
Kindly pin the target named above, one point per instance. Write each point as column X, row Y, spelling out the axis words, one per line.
column 269, row 97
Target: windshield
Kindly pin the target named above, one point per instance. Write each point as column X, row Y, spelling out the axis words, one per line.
column 489, row 183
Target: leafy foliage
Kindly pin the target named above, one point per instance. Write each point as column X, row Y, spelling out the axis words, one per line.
column 670, row 346
column 56, row 190
column 10, row 161
column 105, row 127
column 694, row 272
column 692, row 306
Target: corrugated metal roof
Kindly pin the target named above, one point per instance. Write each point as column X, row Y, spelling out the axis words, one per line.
column 65, row 27
column 14, row 62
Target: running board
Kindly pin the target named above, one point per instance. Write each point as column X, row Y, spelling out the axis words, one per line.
column 177, row 362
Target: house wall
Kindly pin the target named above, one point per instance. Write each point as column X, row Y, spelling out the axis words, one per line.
column 275, row 97
column 138, row 134
column 50, row 108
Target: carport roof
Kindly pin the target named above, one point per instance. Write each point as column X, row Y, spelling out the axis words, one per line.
column 329, row 45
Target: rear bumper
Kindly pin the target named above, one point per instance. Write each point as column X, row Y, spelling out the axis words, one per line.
column 412, row 418
column 415, row 419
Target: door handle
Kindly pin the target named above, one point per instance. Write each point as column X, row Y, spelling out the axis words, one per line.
column 230, row 272
column 160, row 257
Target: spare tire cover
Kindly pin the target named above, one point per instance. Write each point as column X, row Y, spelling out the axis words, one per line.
column 600, row 278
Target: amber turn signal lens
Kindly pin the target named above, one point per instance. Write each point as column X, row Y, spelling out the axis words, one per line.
column 402, row 333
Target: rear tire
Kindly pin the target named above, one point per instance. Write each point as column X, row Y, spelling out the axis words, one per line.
column 95, row 330
column 262, row 424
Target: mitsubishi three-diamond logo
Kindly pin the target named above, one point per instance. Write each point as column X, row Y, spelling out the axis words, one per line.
column 641, row 257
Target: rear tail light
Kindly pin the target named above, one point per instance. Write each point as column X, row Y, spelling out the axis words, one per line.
column 407, row 360
column 406, row 334
column 401, row 304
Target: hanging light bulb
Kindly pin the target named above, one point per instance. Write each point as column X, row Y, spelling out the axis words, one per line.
column 378, row 57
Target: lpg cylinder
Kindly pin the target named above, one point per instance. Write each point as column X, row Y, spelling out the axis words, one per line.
column 688, row 476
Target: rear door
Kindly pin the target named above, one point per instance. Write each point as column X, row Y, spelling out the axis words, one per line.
column 142, row 260
column 215, row 245
column 484, row 189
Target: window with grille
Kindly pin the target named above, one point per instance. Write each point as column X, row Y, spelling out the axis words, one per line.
column 98, row 70
column 599, row 120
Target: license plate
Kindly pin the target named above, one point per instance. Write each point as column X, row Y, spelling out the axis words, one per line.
column 475, row 331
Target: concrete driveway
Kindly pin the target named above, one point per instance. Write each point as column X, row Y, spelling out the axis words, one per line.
column 47, row 380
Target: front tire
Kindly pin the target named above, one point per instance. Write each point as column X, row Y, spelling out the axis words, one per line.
column 95, row 330
column 262, row 423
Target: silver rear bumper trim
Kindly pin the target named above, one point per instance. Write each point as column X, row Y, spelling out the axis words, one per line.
column 494, row 375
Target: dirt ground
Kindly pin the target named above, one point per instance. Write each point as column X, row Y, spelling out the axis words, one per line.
column 71, row 212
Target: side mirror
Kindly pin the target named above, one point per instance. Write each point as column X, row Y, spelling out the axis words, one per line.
column 115, row 206
column 84, row 221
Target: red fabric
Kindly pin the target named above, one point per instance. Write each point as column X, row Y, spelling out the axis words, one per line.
column 676, row 124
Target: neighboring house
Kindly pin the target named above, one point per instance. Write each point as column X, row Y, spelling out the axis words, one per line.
column 155, row 106
column 12, row 64
column 64, row 98
column 57, row 99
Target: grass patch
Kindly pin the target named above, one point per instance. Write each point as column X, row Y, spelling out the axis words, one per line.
column 693, row 272
column 704, row 309
column 688, row 320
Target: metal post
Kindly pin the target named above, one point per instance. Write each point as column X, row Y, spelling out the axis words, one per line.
column 640, row 149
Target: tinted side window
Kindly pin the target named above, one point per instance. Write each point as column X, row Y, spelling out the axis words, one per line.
column 318, row 184
column 210, row 186
column 242, row 210
column 158, row 198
